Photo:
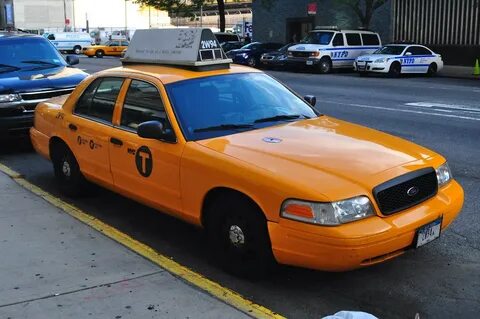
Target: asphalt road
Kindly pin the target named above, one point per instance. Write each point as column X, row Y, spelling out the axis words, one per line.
column 440, row 280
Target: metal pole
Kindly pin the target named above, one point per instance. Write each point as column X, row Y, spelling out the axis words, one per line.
column 125, row 18
column 64, row 15
column 201, row 16
column 149, row 18
column 73, row 18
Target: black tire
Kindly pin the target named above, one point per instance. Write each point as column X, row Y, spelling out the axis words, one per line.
column 325, row 65
column 67, row 172
column 238, row 237
column 77, row 49
column 432, row 69
column 395, row 70
column 252, row 62
column 99, row 54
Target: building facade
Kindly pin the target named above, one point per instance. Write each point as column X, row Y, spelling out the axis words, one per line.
column 285, row 20
column 77, row 15
column 449, row 27
column 6, row 14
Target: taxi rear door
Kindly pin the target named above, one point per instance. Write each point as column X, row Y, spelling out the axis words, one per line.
column 143, row 168
column 90, row 127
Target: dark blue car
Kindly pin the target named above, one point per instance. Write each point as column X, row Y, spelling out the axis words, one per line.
column 31, row 71
column 250, row 54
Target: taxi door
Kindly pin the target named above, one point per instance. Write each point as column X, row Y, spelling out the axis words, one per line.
column 146, row 169
column 90, row 128
column 113, row 48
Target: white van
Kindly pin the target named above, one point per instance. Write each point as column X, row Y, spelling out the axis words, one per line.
column 326, row 48
column 70, row 41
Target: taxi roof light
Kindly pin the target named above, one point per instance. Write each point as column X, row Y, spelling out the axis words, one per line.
column 196, row 48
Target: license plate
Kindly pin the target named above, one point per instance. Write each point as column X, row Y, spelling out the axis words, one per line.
column 428, row 232
column 309, row 62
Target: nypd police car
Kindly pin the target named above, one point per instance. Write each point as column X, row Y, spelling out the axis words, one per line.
column 396, row 59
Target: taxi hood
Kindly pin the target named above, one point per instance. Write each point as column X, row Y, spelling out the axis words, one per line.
column 347, row 152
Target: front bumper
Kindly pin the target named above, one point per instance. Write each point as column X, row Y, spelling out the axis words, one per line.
column 302, row 62
column 362, row 243
column 16, row 125
column 89, row 52
column 368, row 66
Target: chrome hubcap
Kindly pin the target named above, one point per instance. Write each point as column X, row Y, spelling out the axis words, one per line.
column 237, row 238
column 66, row 169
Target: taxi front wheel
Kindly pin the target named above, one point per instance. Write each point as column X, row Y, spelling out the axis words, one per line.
column 67, row 172
column 238, row 237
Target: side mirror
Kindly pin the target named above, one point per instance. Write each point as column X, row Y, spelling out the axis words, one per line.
column 311, row 99
column 154, row 130
column 408, row 53
column 72, row 59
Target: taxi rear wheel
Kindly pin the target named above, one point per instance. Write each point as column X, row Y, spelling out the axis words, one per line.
column 238, row 237
column 67, row 172
column 99, row 54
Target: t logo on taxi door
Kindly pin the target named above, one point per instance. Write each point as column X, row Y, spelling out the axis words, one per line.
column 144, row 161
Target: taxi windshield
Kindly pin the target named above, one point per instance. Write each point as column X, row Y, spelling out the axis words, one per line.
column 391, row 49
column 226, row 104
column 28, row 53
column 321, row 37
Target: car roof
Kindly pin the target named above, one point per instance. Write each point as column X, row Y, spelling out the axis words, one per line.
column 342, row 30
column 15, row 34
column 170, row 74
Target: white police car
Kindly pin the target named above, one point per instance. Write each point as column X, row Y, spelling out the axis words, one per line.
column 396, row 59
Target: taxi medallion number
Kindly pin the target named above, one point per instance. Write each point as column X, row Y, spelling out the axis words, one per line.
column 428, row 233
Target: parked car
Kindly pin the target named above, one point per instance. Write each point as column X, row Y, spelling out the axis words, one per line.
column 70, row 41
column 250, row 54
column 328, row 48
column 231, row 45
column 396, row 59
column 31, row 71
column 111, row 48
column 276, row 58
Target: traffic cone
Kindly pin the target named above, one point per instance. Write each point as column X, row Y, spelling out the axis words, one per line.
column 476, row 69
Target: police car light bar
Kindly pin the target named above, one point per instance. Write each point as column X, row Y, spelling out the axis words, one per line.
column 327, row 27
column 197, row 48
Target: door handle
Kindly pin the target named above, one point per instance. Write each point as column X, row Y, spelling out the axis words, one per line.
column 116, row 141
column 72, row 127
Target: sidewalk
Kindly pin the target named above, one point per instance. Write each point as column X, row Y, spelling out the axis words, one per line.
column 458, row 72
column 54, row 266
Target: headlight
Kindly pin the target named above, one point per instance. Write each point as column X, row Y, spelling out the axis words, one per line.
column 281, row 57
column 381, row 60
column 329, row 214
column 444, row 175
column 5, row 98
column 245, row 55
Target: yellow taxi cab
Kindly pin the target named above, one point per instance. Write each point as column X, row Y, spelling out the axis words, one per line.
column 231, row 149
column 110, row 48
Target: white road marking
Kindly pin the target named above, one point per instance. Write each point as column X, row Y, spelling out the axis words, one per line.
column 406, row 111
column 445, row 106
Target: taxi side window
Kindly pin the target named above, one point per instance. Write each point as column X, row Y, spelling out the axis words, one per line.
column 338, row 40
column 353, row 39
column 98, row 100
column 142, row 103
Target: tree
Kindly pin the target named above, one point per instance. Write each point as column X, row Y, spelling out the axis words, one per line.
column 364, row 9
column 185, row 7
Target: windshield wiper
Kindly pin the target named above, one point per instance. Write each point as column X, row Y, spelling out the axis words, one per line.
column 223, row 127
column 281, row 118
column 8, row 67
column 41, row 62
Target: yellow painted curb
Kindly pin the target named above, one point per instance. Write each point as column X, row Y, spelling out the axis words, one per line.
column 222, row 293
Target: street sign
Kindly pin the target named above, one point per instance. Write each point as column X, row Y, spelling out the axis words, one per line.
column 312, row 8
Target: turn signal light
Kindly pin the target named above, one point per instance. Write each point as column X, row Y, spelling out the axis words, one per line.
column 299, row 210
column 316, row 53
